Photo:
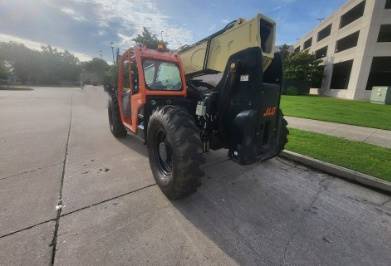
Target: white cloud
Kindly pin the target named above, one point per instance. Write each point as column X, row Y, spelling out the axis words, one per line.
column 225, row 21
column 133, row 15
column 37, row 45
column 72, row 13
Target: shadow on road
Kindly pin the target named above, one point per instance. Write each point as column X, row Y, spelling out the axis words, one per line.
column 134, row 144
column 233, row 208
column 230, row 209
column 277, row 212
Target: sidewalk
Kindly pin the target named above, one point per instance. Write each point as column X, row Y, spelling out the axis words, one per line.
column 373, row 136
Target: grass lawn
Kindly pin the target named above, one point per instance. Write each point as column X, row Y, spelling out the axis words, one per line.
column 336, row 110
column 362, row 157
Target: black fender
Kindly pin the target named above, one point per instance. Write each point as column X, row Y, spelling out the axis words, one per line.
column 243, row 137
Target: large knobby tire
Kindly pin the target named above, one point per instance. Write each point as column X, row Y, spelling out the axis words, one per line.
column 284, row 132
column 116, row 126
column 175, row 151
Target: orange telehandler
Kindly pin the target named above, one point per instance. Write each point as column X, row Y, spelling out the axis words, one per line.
column 222, row 92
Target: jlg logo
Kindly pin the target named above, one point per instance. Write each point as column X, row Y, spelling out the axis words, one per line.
column 270, row 111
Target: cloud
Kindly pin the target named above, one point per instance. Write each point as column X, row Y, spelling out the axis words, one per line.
column 129, row 18
column 37, row 45
column 225, row 21
column 72, row 13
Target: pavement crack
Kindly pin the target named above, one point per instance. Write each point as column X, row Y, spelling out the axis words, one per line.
column 74, row 211
column 29, row 171
column 107, row 200
column 26, row 228
column 370, row 135
column 59, row 202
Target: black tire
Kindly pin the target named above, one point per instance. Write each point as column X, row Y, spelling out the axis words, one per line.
column 175, row 152
column 116, row 126
column 284, row 132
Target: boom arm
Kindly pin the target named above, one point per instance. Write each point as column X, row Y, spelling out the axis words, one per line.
column 211, row 54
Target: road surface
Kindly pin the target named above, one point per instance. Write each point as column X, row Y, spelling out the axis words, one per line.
column 56, row 150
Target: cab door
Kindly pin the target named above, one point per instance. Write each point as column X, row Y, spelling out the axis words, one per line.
column 124, row 93
column 137, row 98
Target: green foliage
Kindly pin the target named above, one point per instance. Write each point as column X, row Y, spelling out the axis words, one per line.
column 110, row 75
column 337, row 110
column 48, row 66
column 302, row 66
column 97, row 66
column 285, row 51
column 147, row 39
column 4, row 71
column 291, row 90
column 359, row 156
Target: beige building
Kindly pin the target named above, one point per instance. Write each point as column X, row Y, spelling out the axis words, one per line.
column 355, row 46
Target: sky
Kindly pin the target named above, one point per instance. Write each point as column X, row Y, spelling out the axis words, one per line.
column 88, row 27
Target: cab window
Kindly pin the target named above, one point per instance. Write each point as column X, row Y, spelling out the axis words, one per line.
column 126, row 80
column 160, row 75
column 134, row 73
column 130, row 77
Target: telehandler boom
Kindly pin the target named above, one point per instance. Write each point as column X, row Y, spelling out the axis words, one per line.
column 210, row 55
column 223, row 92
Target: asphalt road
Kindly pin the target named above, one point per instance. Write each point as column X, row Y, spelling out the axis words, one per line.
column 56, row 148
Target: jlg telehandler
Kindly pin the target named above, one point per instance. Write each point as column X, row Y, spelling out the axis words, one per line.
column 222, row 92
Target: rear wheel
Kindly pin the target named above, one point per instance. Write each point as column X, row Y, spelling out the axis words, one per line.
column 284, row 132
column 116, row 127
column 175, row 152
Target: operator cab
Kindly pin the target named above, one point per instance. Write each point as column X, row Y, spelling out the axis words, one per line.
column 144, row 73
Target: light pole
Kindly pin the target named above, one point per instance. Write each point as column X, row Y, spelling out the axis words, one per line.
column 112, row 51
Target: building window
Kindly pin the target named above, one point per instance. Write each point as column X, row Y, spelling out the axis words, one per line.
column 388, row 4
column 352, row 15
column 307, row 44
column 347, row 42
column 324, row 33
column 384, row 33
column 380, row 74
column 297, row 49
column 341, row 75
column 316, row 82
column 322, row 52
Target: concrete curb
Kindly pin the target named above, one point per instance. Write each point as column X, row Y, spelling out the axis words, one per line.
column 342, row 172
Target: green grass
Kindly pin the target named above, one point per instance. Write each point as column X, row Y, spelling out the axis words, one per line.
column 358, row 156
column 337, row 110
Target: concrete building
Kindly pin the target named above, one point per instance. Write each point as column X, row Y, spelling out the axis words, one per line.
column 355, row 46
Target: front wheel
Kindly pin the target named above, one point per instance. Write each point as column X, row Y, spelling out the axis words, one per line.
column 175, row 152
column 116, row 127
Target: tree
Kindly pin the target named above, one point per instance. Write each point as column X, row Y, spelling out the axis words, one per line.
column 285, row 50
column 301, row 70
column 94, row 71
column 110, row 77
column 4, row 71
column 48, row 66
column 3, row 68
column 97, row 66
column 148, row 39
column 302, row 66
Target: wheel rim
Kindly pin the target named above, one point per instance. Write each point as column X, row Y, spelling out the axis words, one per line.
column 164, row 156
